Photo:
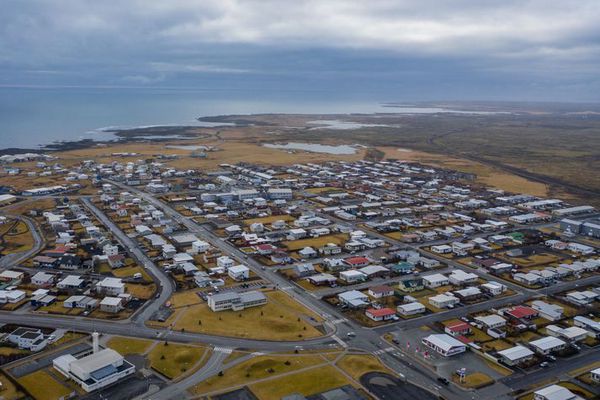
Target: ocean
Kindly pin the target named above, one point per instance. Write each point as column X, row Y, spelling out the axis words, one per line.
column 34, row 117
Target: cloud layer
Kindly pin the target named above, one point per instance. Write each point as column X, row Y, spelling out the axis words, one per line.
column 522, row 46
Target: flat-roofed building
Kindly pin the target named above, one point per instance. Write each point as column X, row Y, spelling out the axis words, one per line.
column 444, row 344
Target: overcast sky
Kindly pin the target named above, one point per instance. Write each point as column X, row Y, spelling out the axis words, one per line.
column 388, row 50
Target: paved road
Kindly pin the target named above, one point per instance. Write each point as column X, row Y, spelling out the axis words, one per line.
column 366, row 339
column 166, row 286
column 11, row 260
column 212, row 367
column 337, row 324
column 557, row 368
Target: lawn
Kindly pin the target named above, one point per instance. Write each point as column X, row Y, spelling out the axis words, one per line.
column 143, row 292
column 317, row 242
column 474, row 381
column 268, row 220
column 254, row 369
column 42, row 386
column 306, row 383
column 280, row 319
column 185, row 298
column 9, row 390
column 8, row 351
column 358, row 365
column 18, row 239
column 127, row 272
column 173, row 360
column 125, row 345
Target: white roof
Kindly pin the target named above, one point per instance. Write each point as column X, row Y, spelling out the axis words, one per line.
column 435, row 278
column 351, row 272
column 444, row 341
column 490, row 319
column 10, row 274
column 95, row 361
column 516, row 353
column 111, row 282
column 415, row 305
column 556, row 392
column 111, row 301
column 352, row 295
column 237, row 269
column 547, row 343
column 71, row 280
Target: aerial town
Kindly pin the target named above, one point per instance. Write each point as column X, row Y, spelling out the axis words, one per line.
column 134, row 279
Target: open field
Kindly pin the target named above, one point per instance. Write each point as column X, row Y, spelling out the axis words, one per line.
column 124, row 345
column 43, row 386
column 474, row 381
column 320, row 241
column 358, row 365
column 309, row 382
column 9, row 390
column 268, row 220
column 543, row 149
column 16, row 239
column 256, row 368
column 280, row 319
column 173, row 360
column 231, row 151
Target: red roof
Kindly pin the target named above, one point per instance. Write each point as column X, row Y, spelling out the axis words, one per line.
column 522, row 312
column 382, row 312
column 356, row 260
column 458, row 327
column 265, row 247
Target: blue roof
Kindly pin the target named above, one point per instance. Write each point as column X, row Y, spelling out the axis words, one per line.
column 103, row 372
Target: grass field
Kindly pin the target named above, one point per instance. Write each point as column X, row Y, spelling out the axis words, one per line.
column 358, row 365
column 9, row 390
column 317, row 242
column 268, row 220
column 43, row 386
column 173, row 360
column 125, row 345
column 185, row 298
column 256, row 368
column 474, row 381
column 18, row 239
column 309, row 382
column 127, row 272
column 140, row 291
column 280, row 319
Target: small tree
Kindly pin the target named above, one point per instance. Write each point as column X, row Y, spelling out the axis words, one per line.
column 221, row 373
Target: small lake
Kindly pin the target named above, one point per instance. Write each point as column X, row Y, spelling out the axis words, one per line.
column 314, row 148
column 342, row 125
column 187, row 147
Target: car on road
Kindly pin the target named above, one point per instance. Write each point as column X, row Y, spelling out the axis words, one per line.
column 351, row 334
column 443, row 381
column 545, row 364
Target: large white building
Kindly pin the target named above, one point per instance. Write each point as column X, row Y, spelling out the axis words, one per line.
column 444, row 344
column 96, row 370
column 236, row 301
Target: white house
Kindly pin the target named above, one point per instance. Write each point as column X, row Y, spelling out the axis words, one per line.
column 435, row 280
column 352, row 276
column 110, row 286
column 443, row 300
column 410, row 308
column 225, row 262
column 111, row 304
column 28, row 338
column 444, row 344
column 548, row 344
column 555, row 392
column 239, row 272
column 516, row 355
